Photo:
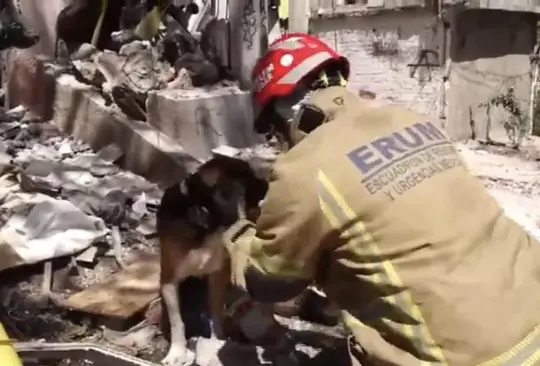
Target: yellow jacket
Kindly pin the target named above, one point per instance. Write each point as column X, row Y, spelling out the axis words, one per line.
column 8, row 356
column 377, row 207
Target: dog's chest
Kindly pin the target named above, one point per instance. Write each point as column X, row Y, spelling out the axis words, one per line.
column 206, row 259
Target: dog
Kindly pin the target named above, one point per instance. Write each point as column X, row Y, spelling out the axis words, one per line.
column 190, row 223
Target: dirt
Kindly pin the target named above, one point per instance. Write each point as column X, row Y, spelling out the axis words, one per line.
column 512, row 177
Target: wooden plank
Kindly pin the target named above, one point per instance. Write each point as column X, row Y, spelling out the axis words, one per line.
column 127, row 293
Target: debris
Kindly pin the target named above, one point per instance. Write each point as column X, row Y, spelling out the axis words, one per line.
column 36, row 184
column 14, row 114
column 88, row 256
column 147, row 227
column 139, row 207
column 5, row 159
column 47, row 278
column 52, row 228
column 116, row 239
column 100, row 355
column 85, row 51
column 110, row 153
column 126, row 294
column 65, row 150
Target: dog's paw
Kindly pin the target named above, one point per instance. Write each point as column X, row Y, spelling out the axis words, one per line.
column 178, row 357
column 217, row 331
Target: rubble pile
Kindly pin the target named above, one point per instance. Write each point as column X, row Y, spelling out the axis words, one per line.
column 138, row 61
column 64, row 205
column 76, row 231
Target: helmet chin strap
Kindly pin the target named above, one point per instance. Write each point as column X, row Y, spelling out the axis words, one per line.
column 290, row 107
column 287, row 107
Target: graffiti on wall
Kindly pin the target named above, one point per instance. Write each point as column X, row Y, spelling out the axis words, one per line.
column 426, row 59
column 263, row 6
column 249, row 24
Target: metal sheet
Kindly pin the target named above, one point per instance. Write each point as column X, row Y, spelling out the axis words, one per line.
column 82, row 351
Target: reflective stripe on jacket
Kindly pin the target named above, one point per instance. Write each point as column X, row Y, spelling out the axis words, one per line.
column 378, row 207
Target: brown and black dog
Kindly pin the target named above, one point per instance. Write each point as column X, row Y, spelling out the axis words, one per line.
column 190, row 222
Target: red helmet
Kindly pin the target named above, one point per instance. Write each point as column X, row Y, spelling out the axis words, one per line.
column 288, row 60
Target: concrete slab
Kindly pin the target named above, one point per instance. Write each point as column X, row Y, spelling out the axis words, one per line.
column 30, row 82
column 201, row 119
column 82, row 113
column 183, row 127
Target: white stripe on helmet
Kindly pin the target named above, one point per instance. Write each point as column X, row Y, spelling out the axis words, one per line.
column 304, row 68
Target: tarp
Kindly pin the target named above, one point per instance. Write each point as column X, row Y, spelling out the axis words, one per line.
column 40, row 227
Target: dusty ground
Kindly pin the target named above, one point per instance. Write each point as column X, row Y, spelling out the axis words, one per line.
column 512, row 176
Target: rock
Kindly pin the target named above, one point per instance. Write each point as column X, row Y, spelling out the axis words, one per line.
column 202, row 71
column 110, row 153
column 84, row 52
column 147, row 227
column 37, row 185
column 182, row 81
column 112, row 208
column 5, row 159
column 14, row 114
column 123, row 36
column 84, row 201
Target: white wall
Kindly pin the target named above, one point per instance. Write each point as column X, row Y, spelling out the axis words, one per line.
column 388, row 75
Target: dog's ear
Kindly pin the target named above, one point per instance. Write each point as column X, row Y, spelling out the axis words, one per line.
column 211, row 172
column 220, row 169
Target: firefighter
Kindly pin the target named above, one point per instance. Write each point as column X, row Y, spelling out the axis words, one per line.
column 8, row 356
column 376, row 206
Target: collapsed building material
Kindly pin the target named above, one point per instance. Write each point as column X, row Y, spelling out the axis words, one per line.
column 201, row 119
column 77, row 351
column 125, row 295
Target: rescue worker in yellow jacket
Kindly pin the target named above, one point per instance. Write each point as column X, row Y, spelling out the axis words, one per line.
column 377, row 207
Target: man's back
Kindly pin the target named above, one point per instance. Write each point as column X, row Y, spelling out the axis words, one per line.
column 422, row 254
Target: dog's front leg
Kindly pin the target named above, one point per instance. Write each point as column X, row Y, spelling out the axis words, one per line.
column 218, row 284
column 178, row 353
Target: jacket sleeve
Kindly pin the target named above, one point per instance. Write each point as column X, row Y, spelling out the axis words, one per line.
column 276, row 258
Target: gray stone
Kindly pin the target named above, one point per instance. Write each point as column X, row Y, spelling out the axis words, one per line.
column 83, row 113
column 201, row 119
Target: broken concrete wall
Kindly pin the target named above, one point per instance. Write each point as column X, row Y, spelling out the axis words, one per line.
column 202, row 119
column 83, row 114
column 490, row 52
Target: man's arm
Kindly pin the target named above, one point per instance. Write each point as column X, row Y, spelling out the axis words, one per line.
column 275, row 259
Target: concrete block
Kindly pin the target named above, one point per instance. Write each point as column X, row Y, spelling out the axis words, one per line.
column 82, row 113
column 202, row 119
column 183, row 127
column 30, row 82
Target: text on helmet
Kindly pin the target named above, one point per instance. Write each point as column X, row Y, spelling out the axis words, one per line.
column 264, row 77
